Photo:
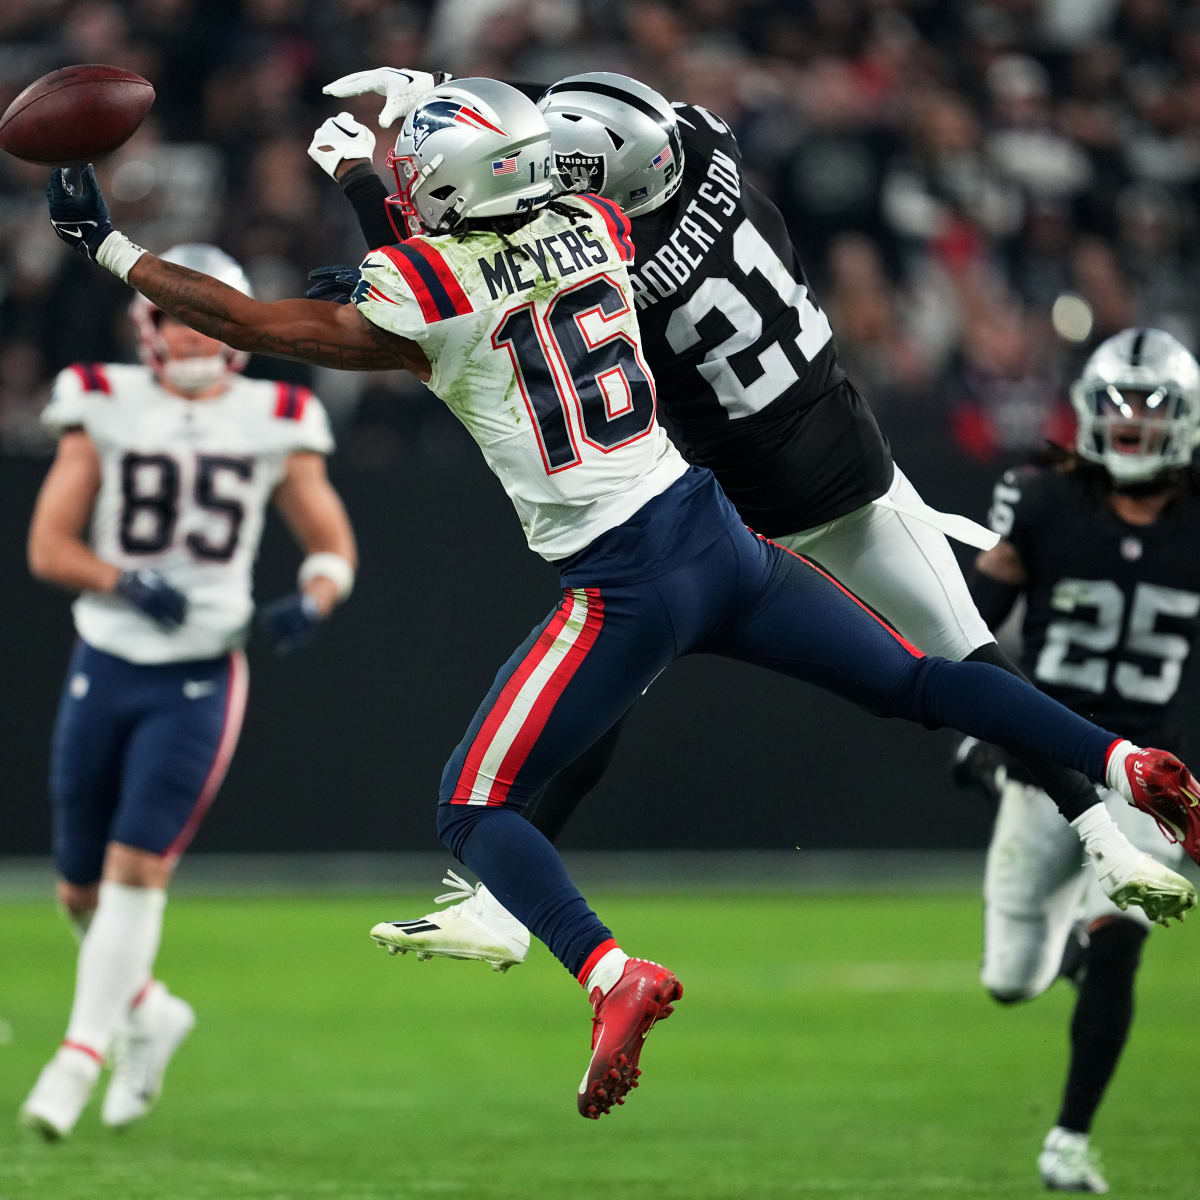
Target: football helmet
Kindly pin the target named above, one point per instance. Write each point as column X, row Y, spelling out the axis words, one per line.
column 471, row 148
column 617, row 136
column 189, row 374
column 1138, row 404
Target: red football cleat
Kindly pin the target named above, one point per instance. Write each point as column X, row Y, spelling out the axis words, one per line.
column 624, row 1015
column 1163, row 787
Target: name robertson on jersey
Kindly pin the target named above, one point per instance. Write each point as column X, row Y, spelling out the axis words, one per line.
column 513, row 269
column 703, row 221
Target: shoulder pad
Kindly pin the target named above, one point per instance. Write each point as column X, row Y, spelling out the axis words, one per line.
column 291, row 399
column 430, row 280
column 92, row 377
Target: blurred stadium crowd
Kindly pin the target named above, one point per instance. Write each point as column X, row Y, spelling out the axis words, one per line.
column 980, row 191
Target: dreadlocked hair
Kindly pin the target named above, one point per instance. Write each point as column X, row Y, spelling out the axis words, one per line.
column 502, row 227
column 1098, row 481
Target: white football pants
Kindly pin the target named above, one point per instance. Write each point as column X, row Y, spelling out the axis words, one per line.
column 1038, row 885
column 903, row 568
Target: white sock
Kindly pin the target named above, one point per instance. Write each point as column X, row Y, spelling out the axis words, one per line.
column 1100, row 836
column 606, row 972
column 115, row 961
column 1114, row 769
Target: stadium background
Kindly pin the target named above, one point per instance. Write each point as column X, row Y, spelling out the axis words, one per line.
column 980, row 192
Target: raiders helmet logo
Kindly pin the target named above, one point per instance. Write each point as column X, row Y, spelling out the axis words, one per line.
column 589, row 169
column 438, row 114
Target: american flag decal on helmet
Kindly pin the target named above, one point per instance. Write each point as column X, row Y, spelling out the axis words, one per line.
column 661, row 159
column 504, row 166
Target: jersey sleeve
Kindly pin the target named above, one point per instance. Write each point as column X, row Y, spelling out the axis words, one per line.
column 1019, row 500
column 703, row 132
column 301, row 420
column 71, row 396
column 407, row 287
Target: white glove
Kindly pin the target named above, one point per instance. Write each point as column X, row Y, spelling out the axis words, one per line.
column 403, row 89
column 338, row 139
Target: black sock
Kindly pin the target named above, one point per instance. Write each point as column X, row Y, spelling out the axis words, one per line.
column 1103, row 1014
column 1071, row 792
column 551, row 809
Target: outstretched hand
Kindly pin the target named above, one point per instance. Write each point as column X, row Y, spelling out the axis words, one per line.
column 340, row 139
column 78, row 210
column 335, row 284
column 403, row 89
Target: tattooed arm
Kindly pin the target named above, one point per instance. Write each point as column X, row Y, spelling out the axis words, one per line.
column 310, row 331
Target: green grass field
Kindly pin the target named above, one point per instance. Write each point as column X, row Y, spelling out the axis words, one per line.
column 830, row 1049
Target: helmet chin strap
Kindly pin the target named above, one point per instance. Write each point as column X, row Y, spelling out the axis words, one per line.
column 195, row 374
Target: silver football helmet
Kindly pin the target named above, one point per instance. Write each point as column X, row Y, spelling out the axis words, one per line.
column 1138, row 404
column 472, row 148
column 617, row 136
column 189, row 374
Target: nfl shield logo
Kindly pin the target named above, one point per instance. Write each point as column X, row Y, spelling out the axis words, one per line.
column 589, row 170
column 1131, row 549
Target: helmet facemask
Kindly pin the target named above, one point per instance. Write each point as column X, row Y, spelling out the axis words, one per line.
column 192, row 374
column 401, row 205
column 1137, row 401
column 1135, row 433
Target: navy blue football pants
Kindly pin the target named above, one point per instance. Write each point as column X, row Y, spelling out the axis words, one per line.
column 601, row 647
column 138, row 754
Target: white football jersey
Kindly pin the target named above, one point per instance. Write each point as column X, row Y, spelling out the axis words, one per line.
column 184, row 489
column 535, row 347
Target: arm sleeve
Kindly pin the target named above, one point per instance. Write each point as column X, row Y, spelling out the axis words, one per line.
column 368, row 194
column 67, row 403
column 993, row 597
column 386, row 298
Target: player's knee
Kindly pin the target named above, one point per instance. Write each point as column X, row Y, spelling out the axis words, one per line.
column 455, row 823
column 134, row 867
column 78, row 899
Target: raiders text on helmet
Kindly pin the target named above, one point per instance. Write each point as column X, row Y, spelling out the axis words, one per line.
column 617, row 136
column 189, row 374
column 472, row 148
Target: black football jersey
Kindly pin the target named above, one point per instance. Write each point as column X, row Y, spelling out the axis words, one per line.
column 748, row 382
column 1112, row 609
column 747, row 376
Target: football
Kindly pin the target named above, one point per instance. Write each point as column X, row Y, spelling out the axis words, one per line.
column 75, row 115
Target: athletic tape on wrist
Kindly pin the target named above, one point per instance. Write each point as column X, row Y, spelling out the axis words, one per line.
column 118, row 254
column 333, row 567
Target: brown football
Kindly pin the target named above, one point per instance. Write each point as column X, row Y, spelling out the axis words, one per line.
column 75, row 115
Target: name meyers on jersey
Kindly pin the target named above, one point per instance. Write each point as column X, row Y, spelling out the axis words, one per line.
column 671, row 266
column 504, row 272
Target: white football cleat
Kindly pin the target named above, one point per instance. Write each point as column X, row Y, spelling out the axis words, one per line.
column 61, row 1093
column 141, row 1052
column 478, row 927
column 1067, row 1164
column 1131, row 876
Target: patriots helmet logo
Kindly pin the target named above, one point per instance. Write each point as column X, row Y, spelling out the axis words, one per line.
column 440, row 114
column 587, row 169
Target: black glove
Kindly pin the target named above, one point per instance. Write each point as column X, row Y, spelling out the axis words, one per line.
column 337, row 284
column 290, row 622
column 77, row 209
column 150, row 593
column 981, row 766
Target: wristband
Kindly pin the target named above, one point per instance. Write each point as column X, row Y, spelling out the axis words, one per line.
column 118, row 254
column 333, row 566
